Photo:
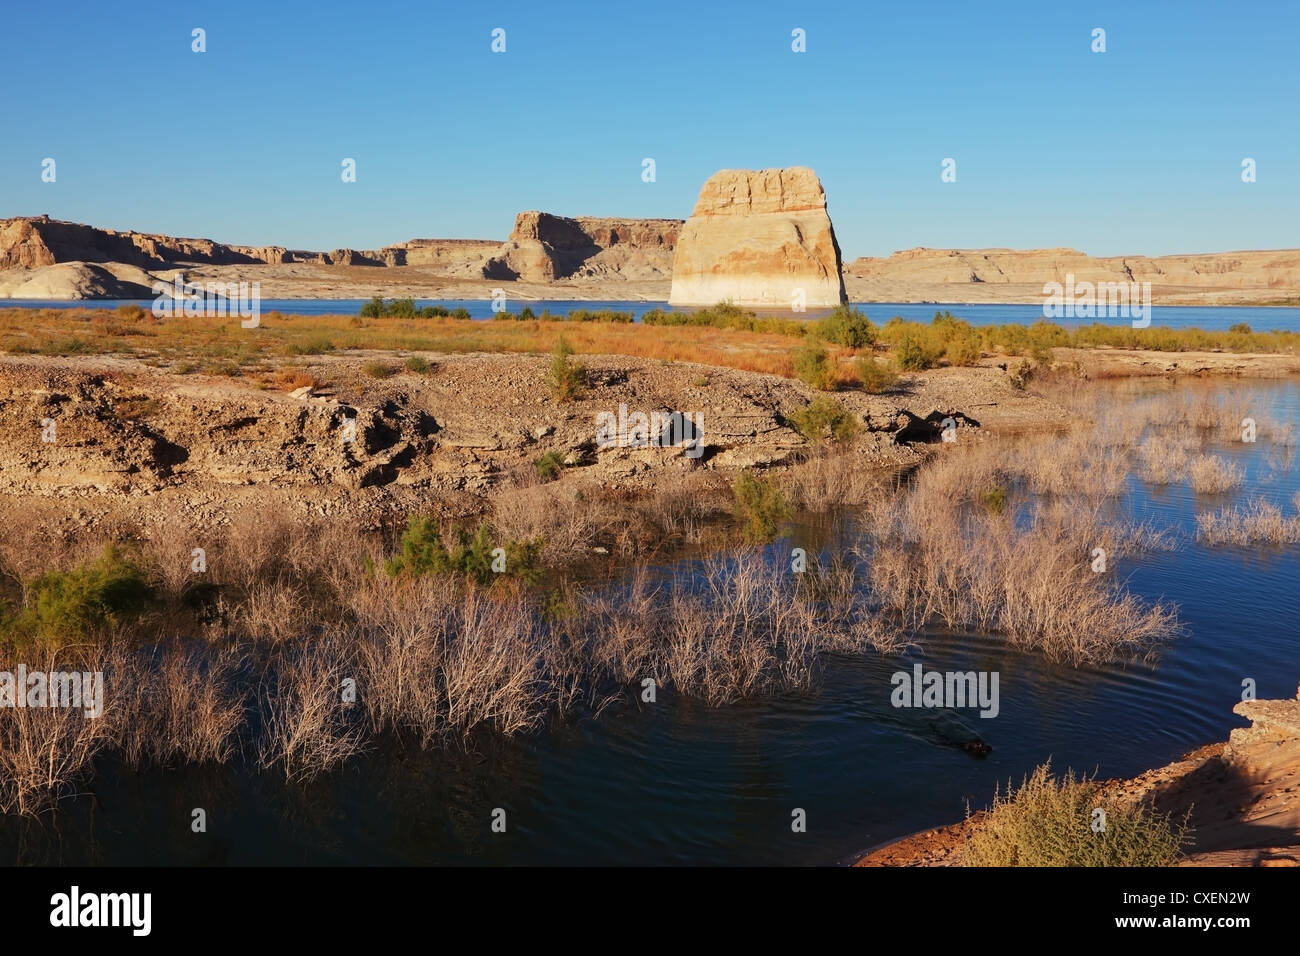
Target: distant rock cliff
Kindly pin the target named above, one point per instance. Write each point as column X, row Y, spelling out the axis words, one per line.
column 32, row 242
column 759, row 238
column 1221, row 270
column 543, row 248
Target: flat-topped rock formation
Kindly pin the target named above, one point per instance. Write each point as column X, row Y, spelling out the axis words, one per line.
column 1019, row 274
column 758, row 239
column 543, row 248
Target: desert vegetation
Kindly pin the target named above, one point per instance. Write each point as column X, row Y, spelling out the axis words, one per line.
column 739, row 339
column 303, row 642
column 1050, row 821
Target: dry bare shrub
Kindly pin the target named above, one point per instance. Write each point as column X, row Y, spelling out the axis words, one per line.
column 1082, row 463
column 677, row 514
column 1163, row 457
column 275, row 611
column 46, row 751
column 936, row 555
column 624, row 622
column 307, row 728
column 255, row 547
column 30, row 544
column 1256, row 522
column 168, row 548
column 175, row 703
column 830, row 480
column 439, row 659
column 1211, row 475
column 490, row 672
column 558, row 513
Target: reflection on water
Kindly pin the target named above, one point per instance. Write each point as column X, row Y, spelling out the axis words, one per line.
column 680, row 782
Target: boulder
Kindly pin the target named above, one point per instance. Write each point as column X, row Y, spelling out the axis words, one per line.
column 755, row 238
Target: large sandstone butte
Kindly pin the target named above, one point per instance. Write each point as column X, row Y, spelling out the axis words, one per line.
column 755, row 239
column 543, row 248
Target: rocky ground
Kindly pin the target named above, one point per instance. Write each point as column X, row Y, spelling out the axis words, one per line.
column 131, row 437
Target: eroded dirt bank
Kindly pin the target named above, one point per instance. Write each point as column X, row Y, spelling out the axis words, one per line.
column 121, row 436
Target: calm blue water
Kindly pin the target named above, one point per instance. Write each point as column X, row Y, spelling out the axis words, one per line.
column 1260, row 318
column 681, row 782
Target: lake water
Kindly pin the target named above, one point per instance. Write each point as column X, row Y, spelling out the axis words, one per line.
column 1259, row 318
column 680, row 782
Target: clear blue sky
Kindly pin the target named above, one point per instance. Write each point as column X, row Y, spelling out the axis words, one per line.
column 1137, row 150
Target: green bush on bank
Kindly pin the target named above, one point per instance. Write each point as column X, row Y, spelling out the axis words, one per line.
column 422, row 551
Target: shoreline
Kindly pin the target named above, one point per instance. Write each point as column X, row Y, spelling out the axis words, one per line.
column 1238, row 795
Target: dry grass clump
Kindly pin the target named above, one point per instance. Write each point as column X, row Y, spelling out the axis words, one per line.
column 45, row 752
column 1256, row 522
column 960, row 546
column 441, row 661
column 1163, row 459
column 745, row 627
column 1050, row 822
column 173, row 703
column 307, row 727
column 1212, row 475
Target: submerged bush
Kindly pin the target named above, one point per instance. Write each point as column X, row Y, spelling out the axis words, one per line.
column 1049, row 822
column 760, row 506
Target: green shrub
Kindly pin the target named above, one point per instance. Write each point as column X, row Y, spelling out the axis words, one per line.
column 549, row 466
column 378, row 308
column 461, row 313
column 873, row 376
column 1240, row 328
column 316, row 345
column 378, row 370
column 812, row 366
column 1048, row 822
column 69, row 605
column 418, row 364
column 994, row 499
column 963, row 348
column 566, row 379
column 911, row 355
column 826, row 420
column 848, row 327
column 526, row 314
column 421, row 551
column 759, row 505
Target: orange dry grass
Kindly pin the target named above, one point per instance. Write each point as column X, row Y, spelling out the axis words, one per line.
column 222, row 340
